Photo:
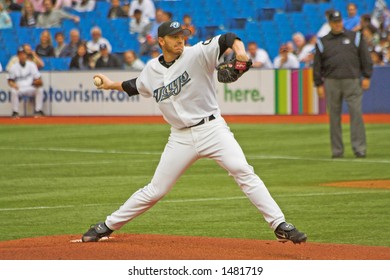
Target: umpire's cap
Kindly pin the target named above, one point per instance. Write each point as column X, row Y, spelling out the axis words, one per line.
column 335, row 16
column 172, row 28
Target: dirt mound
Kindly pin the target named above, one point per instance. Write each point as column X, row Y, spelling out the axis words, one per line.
column 162, row 247
column 370, row 184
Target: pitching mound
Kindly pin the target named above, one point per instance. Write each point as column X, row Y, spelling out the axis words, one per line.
column 161, row 247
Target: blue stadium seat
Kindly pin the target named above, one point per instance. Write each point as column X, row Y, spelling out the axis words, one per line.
column 101, row 8
column 294, row 5
column 15, row 17
column 60, row 63
column 265, row 13
column 47, row 66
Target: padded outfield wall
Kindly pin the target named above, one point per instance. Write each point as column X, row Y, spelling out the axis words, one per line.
column 258, row 92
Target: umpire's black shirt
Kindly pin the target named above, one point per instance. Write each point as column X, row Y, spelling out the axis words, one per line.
column 341, row 56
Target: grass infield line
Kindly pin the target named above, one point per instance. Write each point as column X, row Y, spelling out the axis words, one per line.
column 249, row 156
column 191, row 200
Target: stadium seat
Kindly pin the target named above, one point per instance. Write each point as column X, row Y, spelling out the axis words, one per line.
column 60, row 63
column 294, row 5
column 265, row 13
column 237, row 23
column 15, row 17
column 47, row 66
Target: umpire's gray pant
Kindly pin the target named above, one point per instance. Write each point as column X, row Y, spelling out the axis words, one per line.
column 349, row 90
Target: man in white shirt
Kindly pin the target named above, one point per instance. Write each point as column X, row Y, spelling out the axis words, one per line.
column 93, row 45
column 260, row 57
column 146, row 6
column 140, row 25
column 286, row 59
column 325, row 28
column 25, row 80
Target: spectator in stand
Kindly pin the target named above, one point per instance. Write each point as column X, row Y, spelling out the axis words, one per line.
column 306, row 57
column 146, row 6
column 151, row 38
column 140, row 25
column 5, row 19
column 107, row 60
column 116, row 10
column 84, row 6
column 260, row 57
column 380, row 15
column 299, row 42
column 71, row 48
column 383, row 46
column 29, row 16
column 377, row 58
column 187, row 24
column 45, row 47
column 59, row 37
column 53, row 17
column 155, row 52
column 81, row 60
column 365, row 20
column 132, row 62
column 371, row 36
column 61, row 4
column 12, row 7
column 31, row 56
column 93, row 45
column 167, row 16
column 25, row 80
column 352, row 22
column 38, row 5
column 286, row 59
column 325, row 28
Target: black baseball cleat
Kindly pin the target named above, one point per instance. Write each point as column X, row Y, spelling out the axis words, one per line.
column 38, row 114
column 96, row 232
column 287, row 232
column 360, row 155
column 15, row 115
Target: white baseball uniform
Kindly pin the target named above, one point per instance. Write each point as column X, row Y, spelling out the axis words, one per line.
column 24, row 77
column 186, row 95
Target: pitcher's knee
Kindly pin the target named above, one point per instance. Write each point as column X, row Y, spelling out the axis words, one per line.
column 154, row 193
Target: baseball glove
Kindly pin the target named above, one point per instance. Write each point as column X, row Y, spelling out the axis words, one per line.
column 230, row 71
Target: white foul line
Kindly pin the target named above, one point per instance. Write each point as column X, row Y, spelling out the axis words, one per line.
column 190, row 200
column 269, row 157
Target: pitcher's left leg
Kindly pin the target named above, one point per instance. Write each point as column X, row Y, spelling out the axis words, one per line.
column 228, row 153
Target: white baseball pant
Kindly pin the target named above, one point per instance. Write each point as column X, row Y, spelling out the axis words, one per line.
column 27, row 91
column 211, row 140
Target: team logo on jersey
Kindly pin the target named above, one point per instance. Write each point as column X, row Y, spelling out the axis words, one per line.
column 174, row 88
column 346, row 41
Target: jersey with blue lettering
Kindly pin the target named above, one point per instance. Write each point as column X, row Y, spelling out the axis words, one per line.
column 24, row 75
column 185, row 92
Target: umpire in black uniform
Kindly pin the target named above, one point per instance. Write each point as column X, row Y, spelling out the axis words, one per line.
column 342, row 69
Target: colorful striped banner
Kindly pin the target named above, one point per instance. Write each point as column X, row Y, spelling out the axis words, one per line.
column 295, row 94
column 282, row 92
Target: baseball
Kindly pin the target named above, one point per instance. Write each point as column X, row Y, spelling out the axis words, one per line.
column 97, row 81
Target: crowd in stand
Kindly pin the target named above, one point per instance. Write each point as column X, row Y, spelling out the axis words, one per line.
column 144, row 21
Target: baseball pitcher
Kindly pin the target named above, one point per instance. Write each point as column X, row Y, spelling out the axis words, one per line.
column 182, row 82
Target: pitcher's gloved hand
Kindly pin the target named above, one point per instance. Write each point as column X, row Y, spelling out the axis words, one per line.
column 230, row 71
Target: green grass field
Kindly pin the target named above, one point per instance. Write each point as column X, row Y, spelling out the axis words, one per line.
column 57, row 180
